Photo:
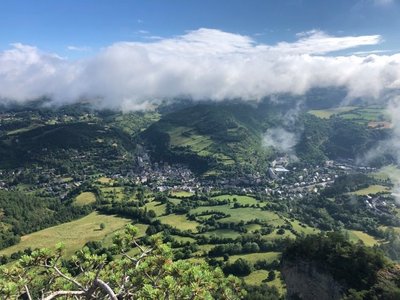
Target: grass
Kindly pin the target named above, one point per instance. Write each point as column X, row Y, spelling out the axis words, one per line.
column 303, row 229
column 74, row 234
column 158, row 208
column 252, row 227
column 224, row 233
column 203, row 249
column 243, row 214
column 186, row 137
column 274, row 235
column 104, row 180
column 240, row 199
column 109, row 192
column 85, row 198
column 360, row 115
column 390, row 172
column 67, row 179
column 183, row 238
column 327, row 113
column 180, row 222
column 107, row 241
column 257, row 277
column 181, row 194
column 254, row 257
column 356, row 235
column 364, row 115
column 174, row 201
column 24, row 129
column 372, row 189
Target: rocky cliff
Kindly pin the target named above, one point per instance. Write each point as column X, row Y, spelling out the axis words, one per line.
column 304, row 280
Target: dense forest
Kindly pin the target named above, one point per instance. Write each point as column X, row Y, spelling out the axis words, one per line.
column 364, row 272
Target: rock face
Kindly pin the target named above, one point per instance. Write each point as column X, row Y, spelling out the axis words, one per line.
column 305, row 281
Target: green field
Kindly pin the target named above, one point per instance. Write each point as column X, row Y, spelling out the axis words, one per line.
column 85, row 198
column 183, row 238
column 104, row 180
column 180, row 222
column 225, row 233
column 240, row 199
column 116, row 193
column 371, row 190
column 303, row 229
column 74, row 234
column 390, row 172
column 257, row 277
column 364, row 115
column 203, row 249
column 174, row 200
column 186, row 137
column 327, row 113
column 361, row 115
column 254, row 257
column 243, row 214
column 356, row 235
column 158, row 208
column 274, row 235
column 181, row 194
column 252, row 227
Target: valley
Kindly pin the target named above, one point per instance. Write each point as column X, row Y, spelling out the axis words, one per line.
column 210, row 188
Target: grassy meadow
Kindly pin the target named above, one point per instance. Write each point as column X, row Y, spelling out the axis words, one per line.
column 74, row 234
column 371, row 190
column 85, row 198
column 327, row 113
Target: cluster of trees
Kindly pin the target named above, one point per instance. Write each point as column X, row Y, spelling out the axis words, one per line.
column 250, row 244
column 344, row 211
column 151, row 274
column 22, row 214
column 336, row 138
column 358, row 268
column 126, row 209
column 348, row 183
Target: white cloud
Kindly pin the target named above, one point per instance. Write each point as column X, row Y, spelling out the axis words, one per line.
column 280, row 139
column 79, row 48
column 317, row 42
column 201, row 64
column 383, row 2
column 366, row 53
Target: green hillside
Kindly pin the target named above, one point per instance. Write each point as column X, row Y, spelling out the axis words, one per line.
column 209, row 136
column 52, row 143
column 228, row 136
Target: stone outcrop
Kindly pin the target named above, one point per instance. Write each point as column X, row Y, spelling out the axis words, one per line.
column 304, row 280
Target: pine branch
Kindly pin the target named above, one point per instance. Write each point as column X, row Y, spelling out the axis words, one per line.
column 64, row 293
column 106, row 288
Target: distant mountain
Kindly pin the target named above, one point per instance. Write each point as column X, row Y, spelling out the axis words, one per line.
column 208, row 136
column 230, row 135
column 58, row 144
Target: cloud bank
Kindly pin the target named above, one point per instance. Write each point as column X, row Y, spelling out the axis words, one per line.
column 201, row 64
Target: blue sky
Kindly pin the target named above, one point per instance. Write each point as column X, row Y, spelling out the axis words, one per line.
column 91, row 24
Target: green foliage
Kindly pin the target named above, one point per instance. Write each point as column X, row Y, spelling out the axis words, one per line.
column 262, row 292
column 348, row 183
column 240, row 267
column 149, row 275
column 335, row 138
column 208, row 135
column 22, row 214
column 353, row 265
